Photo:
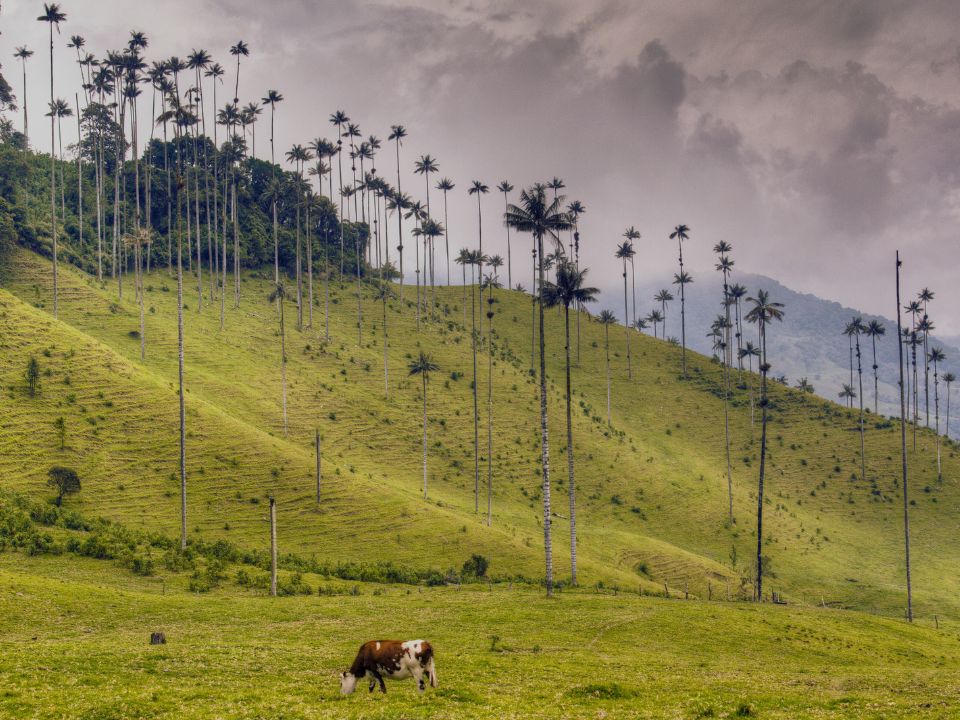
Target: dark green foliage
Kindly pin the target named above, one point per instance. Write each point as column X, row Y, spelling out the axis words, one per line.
column 476, row 566
column 32, row 376
column 64, row 480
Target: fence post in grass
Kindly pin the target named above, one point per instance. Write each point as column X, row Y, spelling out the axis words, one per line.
column 666, row 590
column 686, row 590
column 709, row 590
column 273, row 547
column 318, row 467
column 936, row 622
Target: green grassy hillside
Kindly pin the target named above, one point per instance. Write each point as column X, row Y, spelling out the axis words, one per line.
column 651, row 489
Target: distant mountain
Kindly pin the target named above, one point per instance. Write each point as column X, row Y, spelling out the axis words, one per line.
column 808, row 343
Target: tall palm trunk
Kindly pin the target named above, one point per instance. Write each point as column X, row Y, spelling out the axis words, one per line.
column 476, row 411
column 423, row 377
column 936, row 402
column 183, row 426
column 386, row 366
column 903, row 453
column 490, row 409
column 626, row 319
column 606, row 344
column 446, row 238
column 283, row 362
column 863, row 457
column 544, row 434
column 683, row 316
column 53, row 188
column 309, row 231
column 876, row 378
column 764, row 368
column 726, row 392
column 399, row 223
column 572, row 488
column 533, row 310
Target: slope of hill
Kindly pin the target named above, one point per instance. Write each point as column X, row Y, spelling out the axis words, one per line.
column 651, row 488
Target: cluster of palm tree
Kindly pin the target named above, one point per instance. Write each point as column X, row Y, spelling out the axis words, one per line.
column 915, row 339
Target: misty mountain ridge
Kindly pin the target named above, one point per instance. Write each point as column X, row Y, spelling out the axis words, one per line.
column 809, row 342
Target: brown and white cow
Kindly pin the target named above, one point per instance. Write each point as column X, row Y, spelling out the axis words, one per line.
column 392, row 659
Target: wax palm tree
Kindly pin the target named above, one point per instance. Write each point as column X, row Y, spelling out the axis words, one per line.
column 239, row 50
column 915, row 308
column 624, row 252
column 903, row 332
column 803, row 385
column 736, row 294
column 948, row 379
column 654, row 318
column 506, row 188
column 53, row 16
column 179, row 185
column 446, row 185
column 663, row 297
column 278, row 296
column 418, row 213
column 535, row 215
column 556, row 185
column 681, row 233
column 339, row 118
column 936, row 357
column 423, row 366
column 924, row 329
column 873, row 330
column 607, row 318
column 683, row 279
column 850, row 330
column 762, row 313
column 575, row 209
column 632, row 234
column 59, row 109
column 847, row 393
column 925, row 296
column 23, row 54
column 250, row 113
column 857, row 329
column 570, row 290
column 431, row 230
column 490, row 284
column 272, row 98
column 750, row 351
column 479, row 189
column 397, row 134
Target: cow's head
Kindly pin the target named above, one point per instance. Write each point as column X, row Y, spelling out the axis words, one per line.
column 348, row 682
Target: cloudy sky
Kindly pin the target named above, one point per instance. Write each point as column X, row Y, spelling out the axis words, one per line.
column 816, row 136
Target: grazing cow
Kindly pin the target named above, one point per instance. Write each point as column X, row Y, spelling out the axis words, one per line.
column 394, row 659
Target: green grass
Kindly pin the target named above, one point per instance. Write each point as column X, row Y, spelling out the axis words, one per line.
column 76, row 631
column 651, row 489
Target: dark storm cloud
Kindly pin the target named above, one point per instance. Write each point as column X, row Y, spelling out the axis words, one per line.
column 815, row 136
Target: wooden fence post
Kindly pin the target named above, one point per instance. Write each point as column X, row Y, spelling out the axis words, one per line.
column 273, row 547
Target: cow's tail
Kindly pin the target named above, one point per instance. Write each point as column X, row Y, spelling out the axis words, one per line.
column 432, row 672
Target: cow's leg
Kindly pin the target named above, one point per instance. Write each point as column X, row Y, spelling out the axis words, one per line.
column 373, row 681
column 417, row 673
column 379, row 678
